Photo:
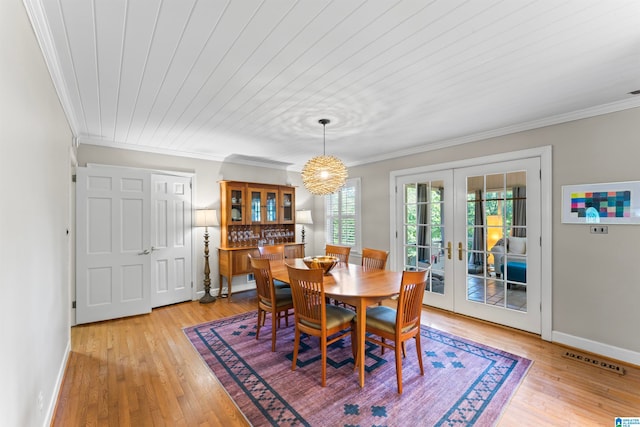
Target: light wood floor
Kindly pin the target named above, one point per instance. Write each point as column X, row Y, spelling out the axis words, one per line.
column 143, row 371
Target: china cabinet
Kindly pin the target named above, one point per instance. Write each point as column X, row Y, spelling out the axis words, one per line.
column 251, row 215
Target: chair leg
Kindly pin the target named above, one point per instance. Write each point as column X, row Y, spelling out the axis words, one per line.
column 273, row 331
column 296, row 344
column 399, row 366
column 419, row 351
column 260, row 313
column 323, row 346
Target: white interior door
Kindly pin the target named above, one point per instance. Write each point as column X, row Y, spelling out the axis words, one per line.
column 497, row 243
column 112, row 241
column 170, row 239
column 425, row 229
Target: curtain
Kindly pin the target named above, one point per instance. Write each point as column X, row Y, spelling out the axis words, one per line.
column 477, row 258
column 519, row 212
column 424, row 254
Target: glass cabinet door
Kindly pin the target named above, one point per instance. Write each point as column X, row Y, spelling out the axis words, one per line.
column 287, row 199
column 264, row 206
column 236, row 207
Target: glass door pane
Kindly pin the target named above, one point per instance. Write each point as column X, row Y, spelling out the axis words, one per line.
column 423, row 231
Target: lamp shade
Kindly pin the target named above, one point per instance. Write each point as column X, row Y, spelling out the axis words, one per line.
column 304, row 217
column 206, row 218
column 324, row 175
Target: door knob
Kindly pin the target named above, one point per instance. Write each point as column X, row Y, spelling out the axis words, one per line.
column 460, row 251
column 449, row 250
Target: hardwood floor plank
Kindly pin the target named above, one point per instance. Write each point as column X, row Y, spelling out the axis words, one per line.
column 142, row 371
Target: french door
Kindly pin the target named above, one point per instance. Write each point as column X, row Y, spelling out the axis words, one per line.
column 497, row 243
column 478, row 227
column 426, row 233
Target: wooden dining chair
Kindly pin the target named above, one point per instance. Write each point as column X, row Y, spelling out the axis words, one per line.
column 374, row 258
column 341, row 252
column 271, row 299
column 401, row 324
column 272, row 252
column 313, row 316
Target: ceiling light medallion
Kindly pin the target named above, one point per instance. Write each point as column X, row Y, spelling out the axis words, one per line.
column 324, row 174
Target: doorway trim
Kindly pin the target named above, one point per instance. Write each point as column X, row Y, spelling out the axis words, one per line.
column 546, row 211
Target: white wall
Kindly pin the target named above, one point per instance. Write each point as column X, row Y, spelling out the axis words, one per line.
column 34, row 260
column 595, row 277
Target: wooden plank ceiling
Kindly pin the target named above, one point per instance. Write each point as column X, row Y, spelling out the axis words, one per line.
column 249, row 79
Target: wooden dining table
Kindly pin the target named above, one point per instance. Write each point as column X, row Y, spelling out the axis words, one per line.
column 353, row 284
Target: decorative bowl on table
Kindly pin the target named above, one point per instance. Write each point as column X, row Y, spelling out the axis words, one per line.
column 325, row 262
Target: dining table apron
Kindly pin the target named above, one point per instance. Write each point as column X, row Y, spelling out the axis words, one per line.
column 353, row 284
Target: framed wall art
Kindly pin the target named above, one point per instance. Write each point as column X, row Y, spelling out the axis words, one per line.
column 605, row 203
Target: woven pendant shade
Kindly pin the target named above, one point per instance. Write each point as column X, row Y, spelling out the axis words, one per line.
column 324, row 174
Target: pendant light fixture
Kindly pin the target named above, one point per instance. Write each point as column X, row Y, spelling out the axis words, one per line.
column 324, row 174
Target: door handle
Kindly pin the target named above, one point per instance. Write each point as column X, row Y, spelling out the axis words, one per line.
column 460, row 251
column 145, row 252
column 449, row 250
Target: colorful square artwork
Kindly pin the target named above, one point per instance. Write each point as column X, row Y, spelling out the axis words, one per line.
column 604, row 204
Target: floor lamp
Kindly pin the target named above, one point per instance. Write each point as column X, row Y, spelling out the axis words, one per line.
column 206, row 218
column 303, row 218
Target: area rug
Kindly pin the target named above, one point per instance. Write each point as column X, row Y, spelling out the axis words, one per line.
column 465, row 383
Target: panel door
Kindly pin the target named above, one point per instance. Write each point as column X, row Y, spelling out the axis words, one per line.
column 112, row 244
column 171, row 277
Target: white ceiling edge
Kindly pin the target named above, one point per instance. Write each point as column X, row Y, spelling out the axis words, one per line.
column 35, row 12
column 535, row 124
column 187, row 154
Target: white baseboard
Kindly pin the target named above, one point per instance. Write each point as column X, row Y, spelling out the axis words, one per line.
column 56, row 390
column 612, row 352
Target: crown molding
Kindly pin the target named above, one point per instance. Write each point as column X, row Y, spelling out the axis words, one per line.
column 507, row 130
column 239, row 160
column 35, row 12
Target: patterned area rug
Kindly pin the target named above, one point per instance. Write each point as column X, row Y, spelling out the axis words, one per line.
column 465, row 383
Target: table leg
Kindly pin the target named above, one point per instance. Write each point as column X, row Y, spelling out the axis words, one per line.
column 362, row 327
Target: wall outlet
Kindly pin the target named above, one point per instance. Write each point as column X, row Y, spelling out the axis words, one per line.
column 40, row 401
column 599, row 229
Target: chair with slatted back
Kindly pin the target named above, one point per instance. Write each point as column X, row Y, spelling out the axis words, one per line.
column 271, row 299
column 314, row 317
column 272, row 252
column 401, row 324
column 341, row 252
column 374, row 258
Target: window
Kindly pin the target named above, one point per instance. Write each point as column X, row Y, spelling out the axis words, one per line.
column 343, row 216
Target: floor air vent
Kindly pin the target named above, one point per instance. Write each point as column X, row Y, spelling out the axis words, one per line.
column 594, row 361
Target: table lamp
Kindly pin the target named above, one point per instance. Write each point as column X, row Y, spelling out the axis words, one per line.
column 303, row 218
